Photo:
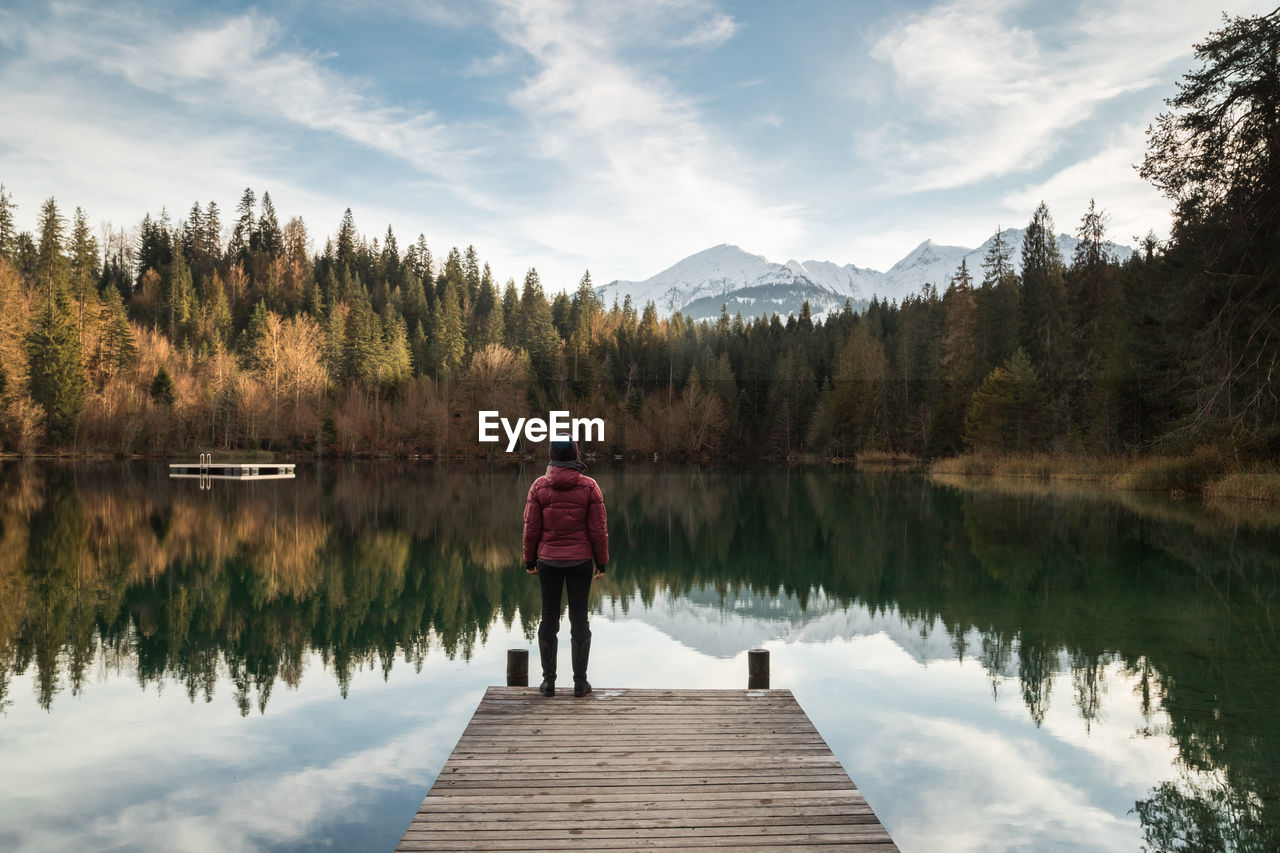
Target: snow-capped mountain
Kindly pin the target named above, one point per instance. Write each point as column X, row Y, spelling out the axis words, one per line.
column 930, row 263
column 848, row 280
column 727, row 276
column 705, row 620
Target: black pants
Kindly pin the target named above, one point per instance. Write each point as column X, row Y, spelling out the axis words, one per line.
column 577, row 579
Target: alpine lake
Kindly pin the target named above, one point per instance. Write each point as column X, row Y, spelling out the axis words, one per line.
column 283, row 665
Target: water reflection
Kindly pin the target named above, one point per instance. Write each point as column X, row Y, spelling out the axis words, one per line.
column 119, row 568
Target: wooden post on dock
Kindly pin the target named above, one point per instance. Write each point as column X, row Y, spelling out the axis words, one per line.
column 517, row 667
column 758, row 669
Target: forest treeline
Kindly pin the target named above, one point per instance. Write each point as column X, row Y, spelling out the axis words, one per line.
column 215, row 331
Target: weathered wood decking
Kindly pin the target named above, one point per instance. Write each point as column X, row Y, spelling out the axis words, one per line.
column 642, row 769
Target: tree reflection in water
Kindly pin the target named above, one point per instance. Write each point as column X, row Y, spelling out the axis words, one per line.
column 116, row 566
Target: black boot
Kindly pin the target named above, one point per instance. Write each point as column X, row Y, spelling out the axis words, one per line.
column 547, row 650
column 581, row 649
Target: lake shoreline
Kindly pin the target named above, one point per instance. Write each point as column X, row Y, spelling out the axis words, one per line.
column 1204, row 472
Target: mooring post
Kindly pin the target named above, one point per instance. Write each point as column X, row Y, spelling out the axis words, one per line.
column 758, row 669
column 517, row 667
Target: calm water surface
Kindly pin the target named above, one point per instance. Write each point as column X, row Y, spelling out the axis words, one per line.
column 286, row 665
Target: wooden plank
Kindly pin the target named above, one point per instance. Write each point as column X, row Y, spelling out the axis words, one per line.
column 539, row 799
column 509, row 737
column 636, row 758
column 480, row 826
column 643, row 770
column 769, row 846
column 671, row 784
column 618, row 811
column 426, row 840
column 535, row 832
column 795, row 841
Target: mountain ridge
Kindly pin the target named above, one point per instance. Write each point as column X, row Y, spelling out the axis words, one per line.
column 727, row 275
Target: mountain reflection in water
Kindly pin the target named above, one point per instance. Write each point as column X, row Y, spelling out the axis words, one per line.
column 116, row 569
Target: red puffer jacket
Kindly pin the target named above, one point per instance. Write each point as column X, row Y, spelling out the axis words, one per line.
column 564, row 518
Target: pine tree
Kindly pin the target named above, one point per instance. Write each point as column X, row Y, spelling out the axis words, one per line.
column 582, row 321
column 420, row 349
column 116, row 348
column 267, row 238
column 1216, row 154
column 242, row 234
column 488, row 312
column 961, row 359
column 57, row 380
column 253, row 335
column 26, row 256
column 431, row 335
column 510, row 315
column 856, row 393
column 162, row 387
column 449, row 339
column 51, row 263
column 1089, row 292
column 192, row 237
column 180, row 300
column 494, row 331
column 995, row 263
column 997, row 302
column 471, row 273
column 1009, row 412
column 389, row 261
column 562, row 315
column 424, row 264
column 8, row 234
column 155, row 251
column 961, row 348
column 452, row 274
column 13, row 328
column 212, row 242
column 538, row 335
column 312, row 299
column 218, row 309
column 363, row 349
column 335, row 341
column 397, row 361
column 1043, row 309
column 346, row 244
column 84, row 271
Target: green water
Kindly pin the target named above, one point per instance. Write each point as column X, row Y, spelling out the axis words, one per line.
column 286, row 665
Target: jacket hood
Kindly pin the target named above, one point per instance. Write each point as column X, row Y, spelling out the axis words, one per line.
column 563, row 478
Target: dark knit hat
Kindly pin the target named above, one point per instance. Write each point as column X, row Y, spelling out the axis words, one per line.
column 564, row 453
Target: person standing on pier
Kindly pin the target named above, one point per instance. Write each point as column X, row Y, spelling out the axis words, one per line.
column 566, row 544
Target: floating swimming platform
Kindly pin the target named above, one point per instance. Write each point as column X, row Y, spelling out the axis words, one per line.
column 206, row 469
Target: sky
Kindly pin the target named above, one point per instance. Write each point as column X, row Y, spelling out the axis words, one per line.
column 615, row 137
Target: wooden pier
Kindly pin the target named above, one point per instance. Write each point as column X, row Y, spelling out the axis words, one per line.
column 643, row 770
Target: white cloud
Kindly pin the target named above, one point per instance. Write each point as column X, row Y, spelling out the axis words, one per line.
column 981, row 95
column 1108, row 177
column 714, row 31
column 237, row 77
column 125, row 112
column 632, row 154
column 239, row 63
